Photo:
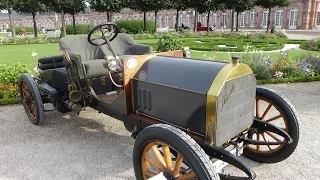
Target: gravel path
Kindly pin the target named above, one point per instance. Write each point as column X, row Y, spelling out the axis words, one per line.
column 91, row 146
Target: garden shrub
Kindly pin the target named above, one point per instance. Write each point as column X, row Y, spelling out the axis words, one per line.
column 22, row 29
column 11, row 74
column 311, row 45
column 135, row 26
column 168, row 43
column 7, row 101
column 80, row 28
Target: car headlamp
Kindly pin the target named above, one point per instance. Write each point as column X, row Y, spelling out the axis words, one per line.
column 186, row 52
column 111, row 63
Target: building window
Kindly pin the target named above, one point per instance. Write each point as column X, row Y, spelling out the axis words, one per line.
column 180, row 19
column 234, row 19
column 174, row 21
column 200, row 18
column 167, row 21
column 243, row 19
column 318, row 16
column 252, row 18
column 265, row 18
column 214, row 16
column 160, row 22
column 279, row 18
column 188, row 20
column 293, row 17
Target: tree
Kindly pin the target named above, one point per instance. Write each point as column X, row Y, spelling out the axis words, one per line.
column 196, row 5
column 30, row 7
column 58, row 6
column 7, row 5
column 157, row 6
column 208, row 6
column 75, row 6
column 269, row 4
column 179, row 5
column 107, row 6
column 141, row 6
column 243, row 5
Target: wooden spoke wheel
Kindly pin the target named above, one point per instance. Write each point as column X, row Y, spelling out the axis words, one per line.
column 163, row 149
column 31, row 99
column 276, row 110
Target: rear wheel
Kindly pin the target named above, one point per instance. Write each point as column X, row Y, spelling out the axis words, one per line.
column 276, row 110
column 164, row 149
column 31, row 99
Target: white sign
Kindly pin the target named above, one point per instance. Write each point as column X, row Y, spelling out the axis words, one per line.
column 131, row 63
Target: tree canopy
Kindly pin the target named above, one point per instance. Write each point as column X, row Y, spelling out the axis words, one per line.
column 30, row 7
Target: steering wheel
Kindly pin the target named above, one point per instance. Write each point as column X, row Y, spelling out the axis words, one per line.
column 108, row 31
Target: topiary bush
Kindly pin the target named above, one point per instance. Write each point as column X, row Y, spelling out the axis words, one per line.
column 80, row 28
column 168, row 43
column 135, row 26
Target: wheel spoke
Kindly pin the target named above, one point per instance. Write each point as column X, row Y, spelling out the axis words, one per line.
column 266, row 111
column 177, row 167
column 189, row 175
column 167, row 156
column 257, row 108
column 158, row 155
column 273, row 136
column 263, row 136
column 258, row 139
column 274, row 118
column 156, row 164
column 149, row 174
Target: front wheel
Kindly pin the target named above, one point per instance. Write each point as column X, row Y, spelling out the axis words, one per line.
column 31, row 99
column 162, row 150
column 276, row 110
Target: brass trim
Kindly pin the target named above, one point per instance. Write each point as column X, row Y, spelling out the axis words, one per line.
column 227, row 73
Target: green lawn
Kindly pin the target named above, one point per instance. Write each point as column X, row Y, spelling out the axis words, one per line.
column 12, row 54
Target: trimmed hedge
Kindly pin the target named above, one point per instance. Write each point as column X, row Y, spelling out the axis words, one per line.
column 22, row 29
column 80, row 28
column 9, row 101
column 135, row 26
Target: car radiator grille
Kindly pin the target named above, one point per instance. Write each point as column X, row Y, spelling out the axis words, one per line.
column 235, row 108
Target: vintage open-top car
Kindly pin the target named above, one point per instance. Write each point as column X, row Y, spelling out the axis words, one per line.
column 190, row 117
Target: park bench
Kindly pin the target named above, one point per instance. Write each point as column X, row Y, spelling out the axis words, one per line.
column 53, row 34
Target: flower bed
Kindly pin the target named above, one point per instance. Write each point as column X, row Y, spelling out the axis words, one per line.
column 9, row 78
column 267, row 70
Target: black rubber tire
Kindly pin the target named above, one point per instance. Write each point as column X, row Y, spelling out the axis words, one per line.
column 40, row 116
column 293, row 128
column 181, row 142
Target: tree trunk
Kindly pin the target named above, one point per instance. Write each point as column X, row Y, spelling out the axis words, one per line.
column 177, row 20
column 144, row 22
column 268, row 24
column 63, row 24
column 195, row 19
column 74, row 25
column 237, row 23
column 35, row 25
column 232, row 18
column 11, row 23
column 108, row 17
column 208, row 21
column 155, row 20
